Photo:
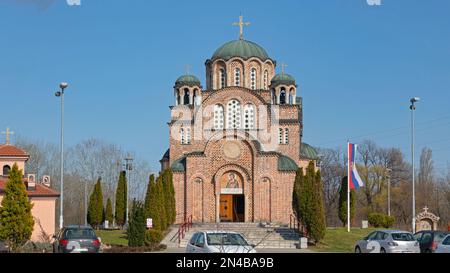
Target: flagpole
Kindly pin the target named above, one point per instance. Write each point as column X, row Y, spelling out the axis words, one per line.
column 348, row 186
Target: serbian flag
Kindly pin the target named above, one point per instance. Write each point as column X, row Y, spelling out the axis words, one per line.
column 355, row 180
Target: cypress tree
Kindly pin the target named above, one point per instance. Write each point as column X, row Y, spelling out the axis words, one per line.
column 161, row 202
column 318, row 222
column 151, row 204
column 295, row 192
column 136, row 228
column 311, row 211
column 95, row 208
column 169, row 196
column 121, row 199
column 109, row 216
column 343, row 202
column 16, row 220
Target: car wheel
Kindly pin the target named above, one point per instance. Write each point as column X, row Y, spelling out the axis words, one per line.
column 357, row 249
column 428, row 251
column 382, row 250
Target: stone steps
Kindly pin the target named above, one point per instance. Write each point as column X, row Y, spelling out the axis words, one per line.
column 267, row 236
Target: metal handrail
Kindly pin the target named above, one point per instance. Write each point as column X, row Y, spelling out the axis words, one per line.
column 185, row 226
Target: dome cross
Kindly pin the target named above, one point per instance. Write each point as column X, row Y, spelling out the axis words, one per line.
column 241, row 25
column 7, row 134
column 283, row 68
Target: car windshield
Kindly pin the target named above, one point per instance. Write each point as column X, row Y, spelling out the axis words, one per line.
column 402, row 237
column 438, row 237
column 79, row 233
column 225, row 239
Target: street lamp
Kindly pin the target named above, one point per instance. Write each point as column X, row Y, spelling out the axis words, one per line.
column 128, row 168
column 413, row 107
column 60, row 94
column 389, row 190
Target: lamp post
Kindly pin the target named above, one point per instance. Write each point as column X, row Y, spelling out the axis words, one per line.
column 128, row 168
column 389, row 190
column 60, row 94
column 413, row 108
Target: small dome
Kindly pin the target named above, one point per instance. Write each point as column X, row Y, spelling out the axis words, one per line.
column 308, row 151
column 189, row 80
column 286, row 163
column 240, row 48
column 283, row 79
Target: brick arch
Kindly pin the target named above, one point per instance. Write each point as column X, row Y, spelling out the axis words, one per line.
column 199, row 197
column 264, row 198
column 226, row 91
column 240, row 135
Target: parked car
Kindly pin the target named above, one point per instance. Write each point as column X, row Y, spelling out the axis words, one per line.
column 388, row 241
column 76, row 239
column 3, row 247
column 429, row 239
column 444, row 245
column 218, row 242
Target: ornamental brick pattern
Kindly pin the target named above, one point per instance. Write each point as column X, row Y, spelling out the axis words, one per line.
column 254, row 154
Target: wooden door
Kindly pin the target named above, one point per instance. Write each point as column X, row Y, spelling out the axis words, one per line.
column 226, row 207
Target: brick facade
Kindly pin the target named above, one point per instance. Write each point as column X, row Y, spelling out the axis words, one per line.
column 211, row 155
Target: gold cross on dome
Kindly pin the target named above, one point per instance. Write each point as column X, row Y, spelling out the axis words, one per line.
column 8, row 134
column 241, row 25
column 283, row 67
column 188, row 69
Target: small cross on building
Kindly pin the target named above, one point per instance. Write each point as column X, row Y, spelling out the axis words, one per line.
column 7, row 134
column 241, row 25
column 283, row 68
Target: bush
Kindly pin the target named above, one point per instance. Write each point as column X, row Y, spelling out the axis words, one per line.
column 153, row 236
column 381, row 220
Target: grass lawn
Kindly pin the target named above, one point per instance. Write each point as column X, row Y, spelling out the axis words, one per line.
column 114, row 237
column 339, row 240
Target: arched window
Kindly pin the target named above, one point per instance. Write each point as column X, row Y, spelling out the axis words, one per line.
column 280, row 136
column 291, row 101
column 249, row 117
column 188, row 136
column 286, row 136
column 237, row 77
column 218, row 117
column 283, row 96
column 194, row 98
column 253, row 79
column 186, row 96
column 182, row 136
column 222, row 77
column 266, row 79
column 6, row 170
column 234, row 114
column 178, row 98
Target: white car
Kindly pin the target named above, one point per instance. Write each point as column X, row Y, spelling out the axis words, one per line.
column 218, row 242
column 388, row 241
column 444, row 245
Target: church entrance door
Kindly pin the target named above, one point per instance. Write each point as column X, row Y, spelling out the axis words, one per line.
column 232, row 208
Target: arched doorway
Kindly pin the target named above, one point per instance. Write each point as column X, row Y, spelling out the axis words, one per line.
column 232, row 199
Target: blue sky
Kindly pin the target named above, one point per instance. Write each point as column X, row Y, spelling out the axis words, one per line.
column 357, row 66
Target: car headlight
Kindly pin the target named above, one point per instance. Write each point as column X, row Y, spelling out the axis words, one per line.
column 392, row 244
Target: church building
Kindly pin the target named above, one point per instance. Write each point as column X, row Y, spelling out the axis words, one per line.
column 40, row 194
column 235, row 144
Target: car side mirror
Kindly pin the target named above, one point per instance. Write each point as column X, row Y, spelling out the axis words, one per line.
column 253, row 245
column 201, row 245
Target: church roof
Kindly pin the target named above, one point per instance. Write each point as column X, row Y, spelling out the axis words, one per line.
column 286, row 163
column 10, row 150
column 39, row 191
column 179, row 164
column 187, row 79
column 240, row 48
column 308, row 151
column 283, row 78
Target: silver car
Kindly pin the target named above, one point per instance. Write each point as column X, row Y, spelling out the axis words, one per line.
column 444, row 245
column 388, row 241
column 218, row 242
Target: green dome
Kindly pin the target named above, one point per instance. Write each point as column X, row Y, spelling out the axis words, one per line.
column 286, row 163
column 240, row 48
column 189, row 80
column 179, row 164
column 308, row 151
column 283, row 79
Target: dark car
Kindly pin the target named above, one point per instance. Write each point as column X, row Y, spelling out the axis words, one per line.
column 3, row 247
column 76, row 239
column 429, row 239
